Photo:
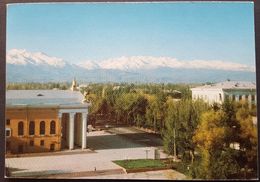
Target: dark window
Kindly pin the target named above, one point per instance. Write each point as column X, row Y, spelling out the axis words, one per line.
column 7, row 121
column 52, row 127
column 220, row 97
column 20, row 149
column 42, row 142
column 240, row 97
column 42, row 128
column 31, row 128
column 246, row 97
column 253, row 97
column 8, row 147
column 233, row 97
column 20, row 128
column 31, row 143
column 52, row 147
column 8, row 132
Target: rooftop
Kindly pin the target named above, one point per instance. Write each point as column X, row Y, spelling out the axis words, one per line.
column 43, row 97
column 230, row 85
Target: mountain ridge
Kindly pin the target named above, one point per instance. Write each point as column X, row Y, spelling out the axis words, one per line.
column 21, row 65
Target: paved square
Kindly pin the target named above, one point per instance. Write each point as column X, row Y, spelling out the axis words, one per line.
column 113, row 144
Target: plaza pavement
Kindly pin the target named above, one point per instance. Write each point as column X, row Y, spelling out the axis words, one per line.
column 114, row 144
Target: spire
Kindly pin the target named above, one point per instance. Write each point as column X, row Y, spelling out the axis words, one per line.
column 74, row 85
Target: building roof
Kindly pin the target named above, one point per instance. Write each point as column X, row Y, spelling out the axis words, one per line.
column 44, row 97
column 230, row 85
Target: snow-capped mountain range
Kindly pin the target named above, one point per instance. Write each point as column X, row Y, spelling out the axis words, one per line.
column 23, row 57
column 23, row 65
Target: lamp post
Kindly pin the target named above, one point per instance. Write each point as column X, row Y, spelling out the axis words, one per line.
column 174, row 145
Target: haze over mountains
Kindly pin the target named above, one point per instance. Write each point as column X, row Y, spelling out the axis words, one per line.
column 25, row 66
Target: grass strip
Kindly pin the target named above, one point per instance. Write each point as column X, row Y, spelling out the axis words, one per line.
column 140, row 163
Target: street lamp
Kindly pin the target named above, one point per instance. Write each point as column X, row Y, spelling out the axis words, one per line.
column 174, row 145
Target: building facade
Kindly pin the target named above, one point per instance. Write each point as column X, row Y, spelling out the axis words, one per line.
column 234, row 90
column 45, row 120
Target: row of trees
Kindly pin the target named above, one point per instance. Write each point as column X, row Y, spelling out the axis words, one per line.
column 209, row 134
column 141, row 105
column 38, row 86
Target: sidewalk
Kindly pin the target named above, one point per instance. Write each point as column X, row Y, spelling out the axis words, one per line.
column 62, row 175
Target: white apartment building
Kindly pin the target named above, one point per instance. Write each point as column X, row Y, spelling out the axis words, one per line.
column 234, row 90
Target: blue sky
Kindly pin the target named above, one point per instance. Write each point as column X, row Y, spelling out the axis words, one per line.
column 97, row 31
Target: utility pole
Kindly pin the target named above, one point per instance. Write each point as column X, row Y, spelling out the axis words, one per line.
column 174, row 147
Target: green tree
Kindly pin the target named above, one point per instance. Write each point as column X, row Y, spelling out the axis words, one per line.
column 155, row 113
column 182, row 118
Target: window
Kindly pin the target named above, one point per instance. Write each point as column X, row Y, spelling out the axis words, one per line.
column 42, row 143
column 31, row 128
column 52, row 127
column 7, row 132
column 246, row 97
column 52, row 147
column 220, row 97
column 20, row 128
column 253, row 97
column 240, row 97
column 8, row 146
column 233, row 97
column 20, row 149
column 7, row 121
column 42, row 128
column 31, row 143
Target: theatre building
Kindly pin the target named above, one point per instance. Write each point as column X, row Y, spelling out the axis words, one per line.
column 45, row 120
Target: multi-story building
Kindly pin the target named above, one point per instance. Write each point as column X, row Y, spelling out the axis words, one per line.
column 234, row 90
column 45, row 120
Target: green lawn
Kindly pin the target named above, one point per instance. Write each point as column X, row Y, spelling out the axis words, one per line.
column 140, row 163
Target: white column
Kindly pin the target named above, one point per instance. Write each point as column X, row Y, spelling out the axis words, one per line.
column 250, row 101
column 84, row 130
column 71, row 131
column 59, row 115
column 237, row 98
column 60, row 119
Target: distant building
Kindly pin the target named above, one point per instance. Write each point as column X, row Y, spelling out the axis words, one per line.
column 45, row 120
column 234, row 90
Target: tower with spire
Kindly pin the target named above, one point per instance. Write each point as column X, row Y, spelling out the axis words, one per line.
column 74, row 85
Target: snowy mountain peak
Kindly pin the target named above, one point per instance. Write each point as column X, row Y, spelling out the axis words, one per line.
column 23, row 57
column 148, row 62
column 89, row 65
